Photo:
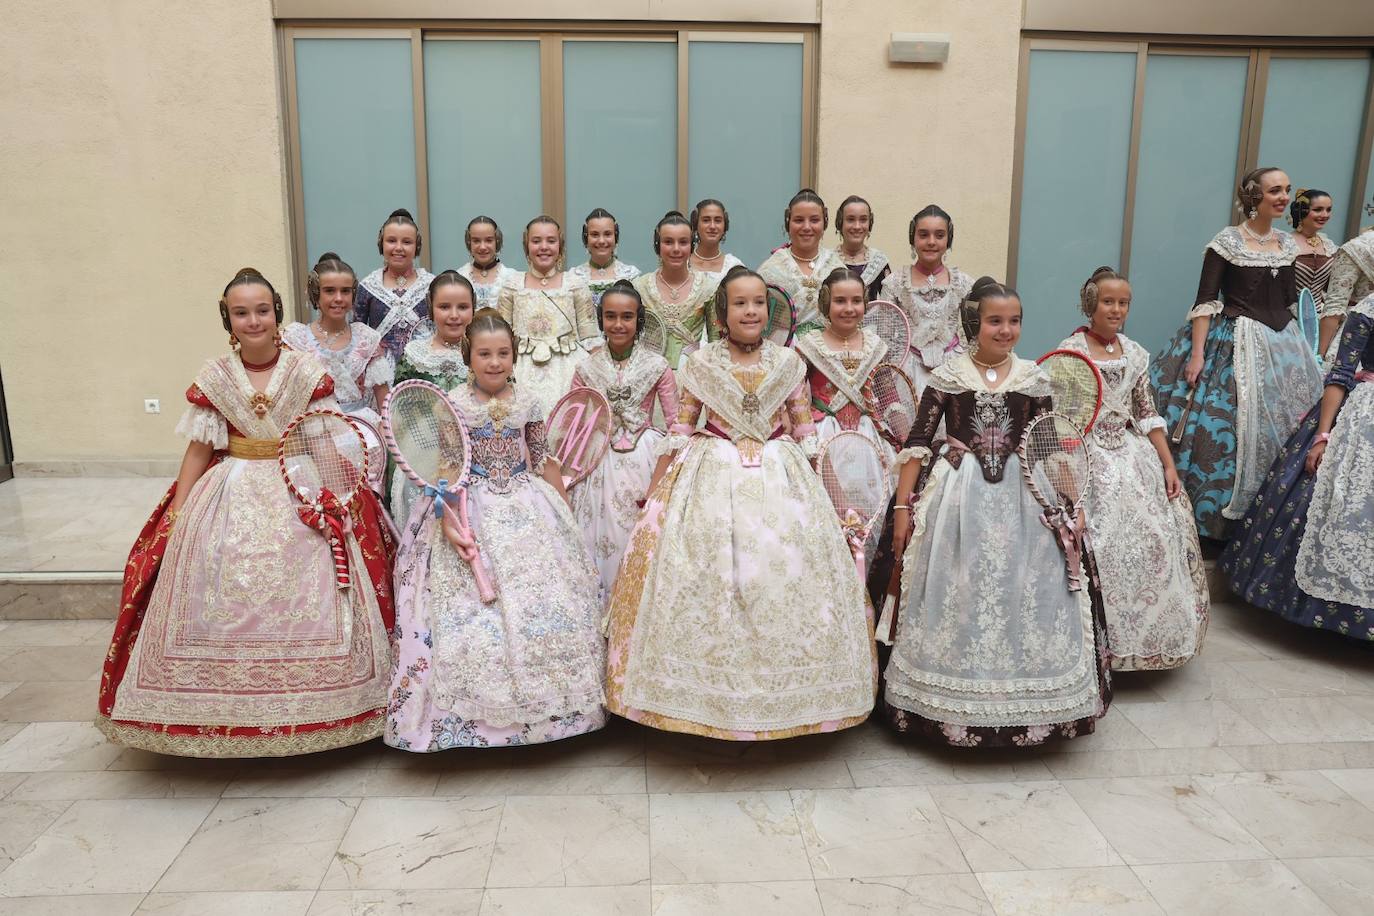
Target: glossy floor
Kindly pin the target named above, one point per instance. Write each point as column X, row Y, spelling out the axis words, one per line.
column 1243, row 783
column 73, row 524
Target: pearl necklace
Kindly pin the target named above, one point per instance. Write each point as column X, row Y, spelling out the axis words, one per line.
column 718, row 256
column 1258, row 239
column 543, row 278
column 674, row 292
column 990, row 369
column 327, row 337
column 809, row 262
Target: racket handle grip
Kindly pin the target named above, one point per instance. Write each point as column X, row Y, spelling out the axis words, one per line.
column 485, row 590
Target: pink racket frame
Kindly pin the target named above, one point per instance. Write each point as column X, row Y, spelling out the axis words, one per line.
column 591, row 408
column 857, row 540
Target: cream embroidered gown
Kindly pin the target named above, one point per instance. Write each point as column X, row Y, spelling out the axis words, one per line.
column 933, row 310
column 607, row 503
column 555, row 327
column 781, row 270
column 737, row 612
column 1154, row 587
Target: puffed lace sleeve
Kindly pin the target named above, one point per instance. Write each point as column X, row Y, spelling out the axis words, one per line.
column 1147, row 418
column 928, row 415
column 1208, row 301
column 202, row 422
column 380, row 371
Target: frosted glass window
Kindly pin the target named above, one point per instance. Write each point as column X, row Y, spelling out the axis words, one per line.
column 1190, row 131
column 1073, row 196
column 744, row 145
column 357, row 140
column 620, row 139
column 482, row 132
column 1313, row 117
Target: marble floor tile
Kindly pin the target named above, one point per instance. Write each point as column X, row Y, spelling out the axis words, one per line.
column 1223, row 644
column 1305, row 720
column 52, row 663
column 1357, row 783
column 1068, row 892
column 42, row 746
column 339, row 782
column 857, row 833
column 106, row 847
column 728, row 837
column 7, row 686
column 1307, row 677
column 1195, row 723
column 256, row 844
column 1008, row 826
column 24, row 633
column 129, row 758
column 22, row 822
column 71, row 786
column 228, row 903
column 566, row 901
column 555, row 841
column 619, row 744
column 1148, row 762
column 926, row 767
column 711, row 777
column 450, row 902
column 1297, row 814
column 1204, row 679
column 87, row 905
column 1263, row 888
column 10, row 781
column 1112, row 733
column 777, row 898
column 50, row 701
column 923, row 895
column 543, row 781
column 1344, row 884
column 1163, row 819
column 417, row 843
column 1322, row 756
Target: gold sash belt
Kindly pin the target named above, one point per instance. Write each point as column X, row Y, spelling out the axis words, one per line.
column 252, row 449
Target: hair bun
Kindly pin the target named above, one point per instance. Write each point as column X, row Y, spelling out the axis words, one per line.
column 328, row 256
column 674, row 213
column 401, row 211
column 981, row 286
column 247, row 272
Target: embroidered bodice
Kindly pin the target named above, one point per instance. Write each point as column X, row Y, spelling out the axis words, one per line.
column 838, row 380
column 933, row 311
column 1312, row 268
column 393, row 314
column 749, row 405
column 1352, row 275
column 509, row 439
column 487, row 293
column 714, row 276
column 872, row 272
column 356, row 368
column 630, row 385
column 548, row 321
column 684, row 318
column 582, row 274
column 1356, row 353
column 1240, row 282
column 781, row 269
column 988, row 423
column 441, row 365
column 1126, row 400
column 223, row 402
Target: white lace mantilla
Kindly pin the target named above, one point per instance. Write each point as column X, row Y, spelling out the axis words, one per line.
column 626, row 385
column 1230, row 243
column 959, row 374
column 402, row 307
column 877, row 262
column 933, row 310
column 848, row 385
column 709, row 375
column 443, row 361
column 487, row 292
column 781, row 269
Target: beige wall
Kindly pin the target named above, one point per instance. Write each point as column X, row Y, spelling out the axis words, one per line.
column 141, row 149
column 904, row 135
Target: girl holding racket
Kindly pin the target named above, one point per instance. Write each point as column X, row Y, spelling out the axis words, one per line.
column 525, row 668
column 799, row 266
column 677, row 294
column 551, row 312
column 436, row 357
column 737, row 613
column 1154, row 587
column 633, row 379
column 234, row 638
column 992, row 646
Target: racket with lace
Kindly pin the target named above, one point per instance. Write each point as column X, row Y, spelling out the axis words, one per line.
column 889, row 322
column 1076, row 386
column 322, row 456
column 1057, row 469
column 855, row 477
column 782, row 316
column 579, row 433
column 892, row 402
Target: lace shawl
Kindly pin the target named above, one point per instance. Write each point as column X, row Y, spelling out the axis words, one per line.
column 848, row 385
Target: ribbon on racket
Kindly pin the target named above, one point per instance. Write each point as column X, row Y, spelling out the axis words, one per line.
column 853, row 526
column 441, row 496
column 1069, row 530
column 329, row 516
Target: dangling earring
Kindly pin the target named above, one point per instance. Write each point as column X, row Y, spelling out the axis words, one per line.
column 276, row 338
column 1253, row 212
column 233, row 341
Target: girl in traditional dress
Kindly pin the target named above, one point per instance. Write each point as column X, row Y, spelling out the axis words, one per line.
column 352, row 352
column 710, row 224
column 437, row 358
column 526, row 668
column 991, row 647
column 600, row 236
column 233, row 638
column 737, row 613
column 1304, row 548
column 484, row 271
column 1308, row 214
column 930, row 292
column 552, row 314
column 1236, row 380
column 1352, row 279
column 799, row 266
column 854, row 224
column 675, row 292
column 1154, row 587
column 391, row 299
column 633, row 379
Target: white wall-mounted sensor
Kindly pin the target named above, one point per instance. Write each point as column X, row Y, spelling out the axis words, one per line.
column 918, row 48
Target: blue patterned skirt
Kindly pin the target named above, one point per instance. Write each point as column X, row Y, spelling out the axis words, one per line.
column 1206, row 455
column 1261, row 560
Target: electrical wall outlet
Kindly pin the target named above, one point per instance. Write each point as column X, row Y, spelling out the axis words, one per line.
column 152, row 405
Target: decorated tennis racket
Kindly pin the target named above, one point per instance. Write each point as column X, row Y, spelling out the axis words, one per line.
column 893, row 402
column 782, row 316
column 1076, row 386
column 429, row 440
column 1308, row 322
column 654, row 335
column 855, row 477
column 579, row 431
column 889, row 322
column 1056, row 468
column 376, row 465
column 322, row 457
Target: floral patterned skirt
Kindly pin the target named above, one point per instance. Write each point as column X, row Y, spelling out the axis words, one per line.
column 607, row 503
